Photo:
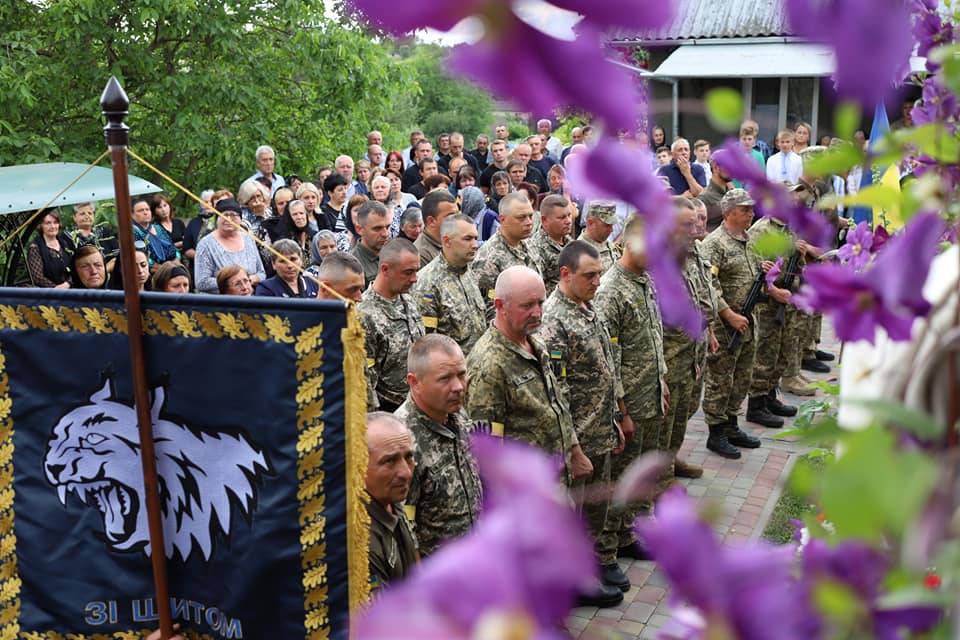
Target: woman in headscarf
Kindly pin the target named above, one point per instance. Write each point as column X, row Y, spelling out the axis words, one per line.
column 473, row 204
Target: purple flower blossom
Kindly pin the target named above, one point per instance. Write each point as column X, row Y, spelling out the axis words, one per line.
column 774, row 272
column 518, row 62
column 888, row 294
column 863, row 569
column 929, row 29
column 505, row 573
column 640, row 478
column 938, row 105
column 856, row 251
column 727, row 584
column 869, row 38
column 772, row 199
column 610, row 170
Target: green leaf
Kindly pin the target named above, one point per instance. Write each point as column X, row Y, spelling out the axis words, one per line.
column 877, row 195
column 846, row 119
column 724, row 108
column 838, row 602
column 835, row 161
column 949, row 59
column 893, row 413
column 772, row 243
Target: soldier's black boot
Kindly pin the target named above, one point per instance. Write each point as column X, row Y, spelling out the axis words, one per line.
column 777, row 407
column 814, row 365
column 718, row 443
column 737, row 437
column 757, row 412
column 613, row 575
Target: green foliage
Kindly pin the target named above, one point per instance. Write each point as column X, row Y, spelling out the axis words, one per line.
column 518, row 130
column 724, row 108
column 837, row 160
column 563, row 131
column 443, row 104
column 846, row 119
column 208, row 83
column 792, row 504
column 772, row 243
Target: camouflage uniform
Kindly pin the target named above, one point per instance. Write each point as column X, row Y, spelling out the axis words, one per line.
column 514, row 394
column 391, row 326
column 734, row 267
column 606, row 211
column 773, row 337
column 685, row 357
column 582, row 358
column 444, row 496
column 625, row 302
column 608, row 253
column 705, row 281
column 546, row 252
column 427, row 247
column 492, row 258
column 368, row 260
column 393, row 547
column 450, row 302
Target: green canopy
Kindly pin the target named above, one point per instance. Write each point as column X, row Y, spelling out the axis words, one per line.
column 28, row 187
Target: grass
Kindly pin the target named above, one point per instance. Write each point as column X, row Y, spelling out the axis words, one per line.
column 790, row 506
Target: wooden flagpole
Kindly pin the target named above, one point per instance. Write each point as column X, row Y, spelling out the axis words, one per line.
column 115, row 106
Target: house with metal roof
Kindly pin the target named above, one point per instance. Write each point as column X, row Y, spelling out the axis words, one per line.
column 744, row 44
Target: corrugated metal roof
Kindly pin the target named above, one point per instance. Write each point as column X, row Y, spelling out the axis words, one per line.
column 719, row 19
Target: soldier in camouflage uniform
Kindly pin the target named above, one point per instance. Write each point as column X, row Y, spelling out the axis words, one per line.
column 685, row 357
column 391, row 321
column 507, row 247
column 445, row 492
column 373, row 225
column 582, row 357
column 514, row 393
column 601, row 216
column 625, row 301
column 446, row 290
column 393, row 546
column 773, row 339
column 436, row 206
column 556, row 222
column 735, row 268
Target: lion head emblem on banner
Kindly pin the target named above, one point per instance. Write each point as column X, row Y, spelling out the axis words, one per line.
column 206, row 479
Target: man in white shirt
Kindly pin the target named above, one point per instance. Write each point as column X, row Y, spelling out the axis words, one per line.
column 266, row 161
column 785, row 167
column 552, row 145
column 701, row 151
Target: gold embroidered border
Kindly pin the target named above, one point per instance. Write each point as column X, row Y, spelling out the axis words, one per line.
column 310, row 451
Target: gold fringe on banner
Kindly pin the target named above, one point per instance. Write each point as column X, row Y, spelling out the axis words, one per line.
column 355, row 423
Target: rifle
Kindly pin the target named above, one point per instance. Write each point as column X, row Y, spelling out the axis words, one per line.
column 752, row 298
column 789, row 273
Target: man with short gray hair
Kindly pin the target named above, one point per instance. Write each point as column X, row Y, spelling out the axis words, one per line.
column 686, row 179
column 552, row 144
column 446, row 290
column 266, row 161
column 444, row 496
column 391, row 322
column 373, row 225
column 507, row 247
column 343, row 273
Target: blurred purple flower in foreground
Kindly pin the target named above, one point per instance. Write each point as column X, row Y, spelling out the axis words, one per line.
column 609, row 170
column 856, row 251
column 728, row 585
column 862, row 570
column 532, row 69
column 514, row 575
column 773, row 200
column 888, row 294
column 774, row 272
column 929, row 28
column 870, row 38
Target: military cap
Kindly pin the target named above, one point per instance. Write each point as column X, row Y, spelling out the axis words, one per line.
column 736, row 198
column 605, row 210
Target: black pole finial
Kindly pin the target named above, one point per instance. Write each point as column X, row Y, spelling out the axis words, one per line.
column 115, row 106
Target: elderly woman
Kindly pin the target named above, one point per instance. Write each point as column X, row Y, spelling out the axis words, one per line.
column 88, row 268
column 254, row 198
column 295, row 225
column 280, row 200
column 171, row 277
column 324, row 243
column 289, row 282
column 224, row 246
column 233, row 280
column 48, row 257
column 473, row 204
column 500, row 186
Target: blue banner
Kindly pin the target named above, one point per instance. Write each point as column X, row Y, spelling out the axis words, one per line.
column 257, row 483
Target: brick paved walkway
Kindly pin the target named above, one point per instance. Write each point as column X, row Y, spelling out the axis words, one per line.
column 747, row 489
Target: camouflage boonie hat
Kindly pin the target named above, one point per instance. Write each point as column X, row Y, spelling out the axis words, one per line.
column 605, row 210
column 736, row 198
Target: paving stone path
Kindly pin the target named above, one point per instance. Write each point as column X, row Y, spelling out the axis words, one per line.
column 747, row 490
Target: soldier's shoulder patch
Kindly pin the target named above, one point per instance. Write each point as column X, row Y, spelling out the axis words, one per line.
column 370, row 363
column 556, row 355
column 492, row 294
column 714, row 269
column 430, row 322
column 427, row 296
column 410, row 510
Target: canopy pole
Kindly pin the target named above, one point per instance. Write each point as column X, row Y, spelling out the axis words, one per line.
column 115, row 106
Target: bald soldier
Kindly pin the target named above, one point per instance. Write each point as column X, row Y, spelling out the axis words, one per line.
column 507, row 247
column 391, row 322
column 444, row 496
column 514, row 393
column 393, row 547
column 342, row 273
column 601, row 216
column 446, row 290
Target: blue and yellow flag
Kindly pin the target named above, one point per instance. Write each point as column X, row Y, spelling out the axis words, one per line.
column 260, row 468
